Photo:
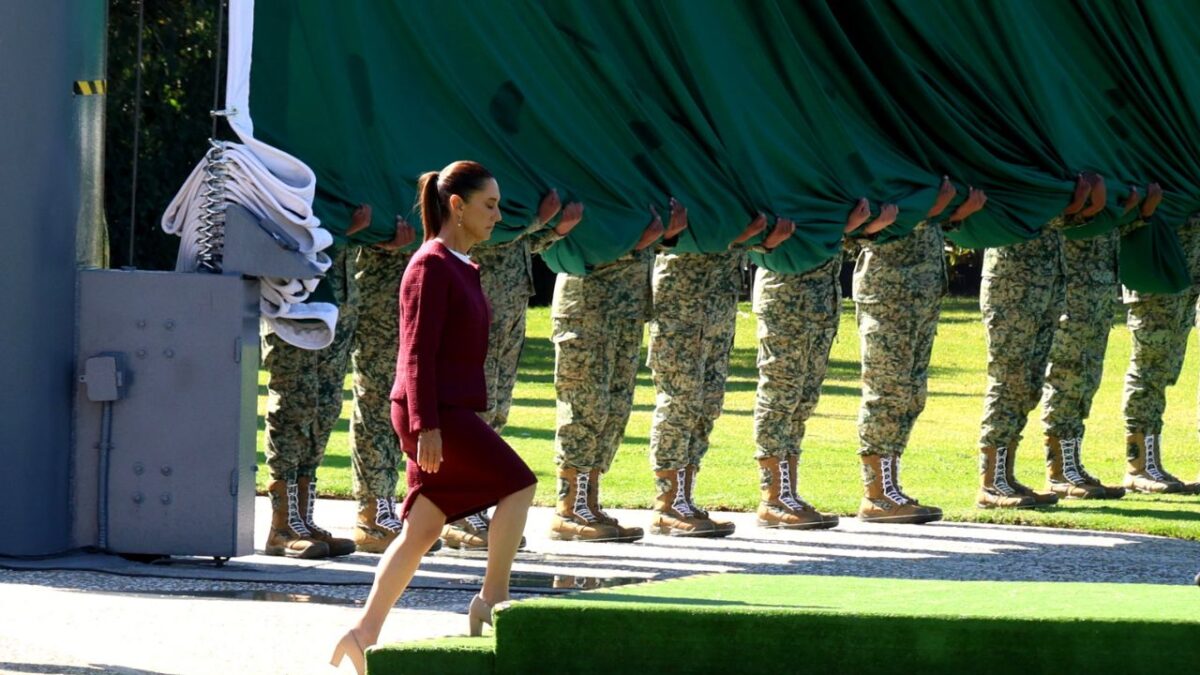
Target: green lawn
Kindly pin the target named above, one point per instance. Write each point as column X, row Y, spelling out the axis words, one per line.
column 940, row 465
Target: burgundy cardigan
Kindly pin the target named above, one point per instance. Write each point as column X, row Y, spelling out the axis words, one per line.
column 444, row 318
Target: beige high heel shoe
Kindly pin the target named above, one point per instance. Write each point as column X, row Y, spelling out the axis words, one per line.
column 478, row 613
column 350, row 646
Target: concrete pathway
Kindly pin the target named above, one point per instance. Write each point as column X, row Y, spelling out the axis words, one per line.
column 89, row 613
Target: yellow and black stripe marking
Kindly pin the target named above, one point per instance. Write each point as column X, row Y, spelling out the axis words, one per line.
column 91, row 87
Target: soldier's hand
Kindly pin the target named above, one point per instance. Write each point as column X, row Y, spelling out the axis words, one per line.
column 887, row 216
column 858, row 216
column 549, row 207
column 652, row 232
column 973, row 204
column 360, row 219
column 783, row 229
column 429, row 450
column 1131, row 200
column 678, row 221
column 1083, row 188
column 404, row 235
column 1099, row 195
column 945, row 195
column 757, row 225
column 571, row 216
column 1154, row 197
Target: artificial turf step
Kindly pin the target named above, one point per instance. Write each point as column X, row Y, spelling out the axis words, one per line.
column 445, row 656
column 770, row 624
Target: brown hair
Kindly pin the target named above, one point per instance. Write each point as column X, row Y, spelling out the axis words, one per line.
column 434, row 188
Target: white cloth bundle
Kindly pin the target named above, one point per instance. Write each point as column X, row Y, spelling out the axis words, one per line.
column 272, row 185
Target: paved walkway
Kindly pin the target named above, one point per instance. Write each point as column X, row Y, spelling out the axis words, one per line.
column 85, row 614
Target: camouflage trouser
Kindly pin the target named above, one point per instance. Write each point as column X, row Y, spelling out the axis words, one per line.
column 897, row 342
column 595, row 372
column 1159, row 325
column 1077, row 354
column 506, row 337
column 374, row 451
column 1021, row 296
column 689, row 354
column 798, row 318
column 304, row 387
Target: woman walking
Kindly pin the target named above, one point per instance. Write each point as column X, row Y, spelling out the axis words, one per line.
column 457, row 464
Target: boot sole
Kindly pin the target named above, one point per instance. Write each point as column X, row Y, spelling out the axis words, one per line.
column 797, row 526
column 309, row 554
column 896, row 520
column 668, row 532
column 1005, row 508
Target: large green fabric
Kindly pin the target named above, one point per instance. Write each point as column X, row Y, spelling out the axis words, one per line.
column 794, row 109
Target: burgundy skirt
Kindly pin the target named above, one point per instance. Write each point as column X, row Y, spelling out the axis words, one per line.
column 478, row 467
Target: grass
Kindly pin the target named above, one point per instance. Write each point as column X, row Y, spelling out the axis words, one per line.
column 940, row 465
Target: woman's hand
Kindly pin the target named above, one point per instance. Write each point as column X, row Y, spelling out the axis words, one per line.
column 571, row 215
column 652, row 232
column 429, row 450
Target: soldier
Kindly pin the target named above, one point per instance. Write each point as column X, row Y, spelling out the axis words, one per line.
column 1077, row 355
column 1022, row 296
column 375, row 455
column 1159, row 325
column 598, row 320
column 506, row 274
column 693, row 318
column 304, row 401
column 898, row 289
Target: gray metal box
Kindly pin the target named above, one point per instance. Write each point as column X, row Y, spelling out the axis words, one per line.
column 180, row 469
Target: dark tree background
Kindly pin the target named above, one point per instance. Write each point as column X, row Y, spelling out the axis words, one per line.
column 179, row 50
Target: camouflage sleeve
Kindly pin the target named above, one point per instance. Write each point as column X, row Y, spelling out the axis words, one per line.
column 541, row 238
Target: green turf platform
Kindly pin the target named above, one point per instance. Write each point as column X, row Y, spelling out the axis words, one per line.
column 771, row 624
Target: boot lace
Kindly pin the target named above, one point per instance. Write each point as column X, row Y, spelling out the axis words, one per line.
column 312, row 504
column 1000, row 474
column 888, row 480
column 479, row 521
column 581, row 507
column 683, row 503
column 295, row 522
column 1072, row 468
column 787, row 491
column 385, row 514
column 1153, row 467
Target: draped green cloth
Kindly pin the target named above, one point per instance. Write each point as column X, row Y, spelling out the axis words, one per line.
column 794, row 109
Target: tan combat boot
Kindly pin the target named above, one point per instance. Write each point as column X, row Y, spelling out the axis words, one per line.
column 308, row 503
column 722, row 528
column 882, row 500
column 994, row 490
column 778, row 504
column 289, row 535
column 1065, row 475
column 935, row 513
column 673, row 513
column 377, row 525
column 1143, row 466
column 467, row 534
column 573, row 518
column 1039, row 498
column 626, row 534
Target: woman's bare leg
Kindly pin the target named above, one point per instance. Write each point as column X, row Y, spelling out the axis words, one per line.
column 504, row 536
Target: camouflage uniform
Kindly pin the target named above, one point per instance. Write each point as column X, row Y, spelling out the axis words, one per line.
column 375, row 453
column 898, row 288
column 691, row 335
column 1159, row 325
column 1022, row 297
column 506, row 274
column 304, row 387
column 598, row 321
column 798, row 318
column 1077, row 352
